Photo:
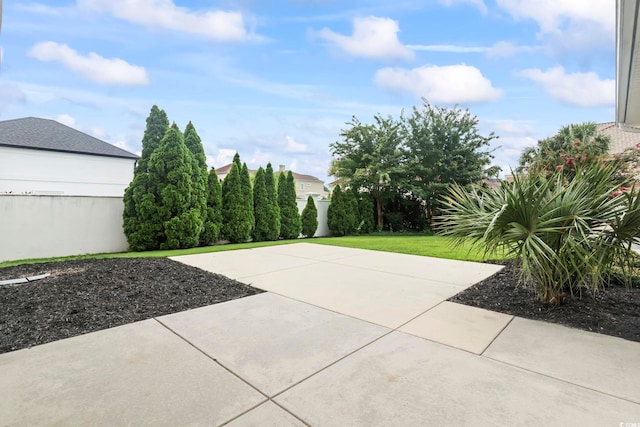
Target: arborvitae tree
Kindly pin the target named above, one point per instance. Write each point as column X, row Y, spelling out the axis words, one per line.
column 171, row 170
column 213, row 221
column 273, row 217
column 199, row 173
column 338, row 218
column 365, row 207
column 247, row 192
column 309, row 218
column 139, row 199
column 260, row 207
column 290, row 225
column 353, row 216
column 236, row 225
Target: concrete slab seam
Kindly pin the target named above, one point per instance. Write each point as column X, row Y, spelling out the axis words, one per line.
column 262, row 403
column 267, row 397
column 330, row 310
column 277, row 271
column 561, row 380
column 496, row 337
column 333, row 363
column 462, row 287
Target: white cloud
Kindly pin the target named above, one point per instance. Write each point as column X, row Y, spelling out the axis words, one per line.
column 498, row 49
column 372, row 37
column 479, row 4
column 66, row 119
column 212, row 24
column 93, row 67
column 292, row 146
column 223, row 157
column 39, row 9
column 511, row 127
column 101, row 133
column 449, row 48
column 569, row 24
column 450, row 84
column 11, row 94
column 581, row 89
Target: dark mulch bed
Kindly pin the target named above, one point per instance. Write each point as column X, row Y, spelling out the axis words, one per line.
column 614, row 310
column 89, row 295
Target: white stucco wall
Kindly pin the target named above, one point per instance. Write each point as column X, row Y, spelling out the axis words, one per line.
column 323, row 207
column 49, row 226
column 27, row 171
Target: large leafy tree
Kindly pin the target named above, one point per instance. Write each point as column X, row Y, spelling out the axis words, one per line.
column 179, row 213
column 290, row 225
column 213, row 220
column 369, row 158
column 199, row 173
column 273, row 216
column 443, row 146
column 260, row 207
column 236, row 224
column 309, row 218
column 139, row 226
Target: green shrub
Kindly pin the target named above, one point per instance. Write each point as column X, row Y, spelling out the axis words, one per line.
column 260, row 207
column 199, row 176
column 273, row 215
column 290, row 225
column 367, row 220
column 340, row 217
column 213, row 221
column 236, row 224
column 309, row 218
column 567, row 235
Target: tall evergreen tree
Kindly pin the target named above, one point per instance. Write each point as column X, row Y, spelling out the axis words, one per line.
column 273, row 216
column 236, row 225
column 339, row 219
column 199, row 173
column 247, row 192
column 290, row 225
column 353, row 215
column 365, row 207
column 260, row 207
column 309, row 218
column 213, row 221
column 139, row 197
column 171, row 171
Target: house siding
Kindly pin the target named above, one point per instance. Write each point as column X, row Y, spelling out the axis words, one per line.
column 30, row 171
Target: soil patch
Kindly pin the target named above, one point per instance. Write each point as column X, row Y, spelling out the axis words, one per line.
column 89, row 295
column 614, row 310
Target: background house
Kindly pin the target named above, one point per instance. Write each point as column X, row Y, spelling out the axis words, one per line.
column 41, row 156
column 306, row 185
column 60, row 191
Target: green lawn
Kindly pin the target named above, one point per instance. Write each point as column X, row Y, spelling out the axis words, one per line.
column 435, row 246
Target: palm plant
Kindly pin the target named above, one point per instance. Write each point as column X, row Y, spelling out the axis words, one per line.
column 567, row 235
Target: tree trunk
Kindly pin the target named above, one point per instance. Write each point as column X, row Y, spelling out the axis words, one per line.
column 379, row 211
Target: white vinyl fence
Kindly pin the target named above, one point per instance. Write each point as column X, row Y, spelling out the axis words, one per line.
column 50, row 226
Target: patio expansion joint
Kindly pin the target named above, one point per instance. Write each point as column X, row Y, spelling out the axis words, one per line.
column 241, row 278
column 216, row 361
column 562, row 380
column 334, row 362
column 497, row 335
column 457, row 285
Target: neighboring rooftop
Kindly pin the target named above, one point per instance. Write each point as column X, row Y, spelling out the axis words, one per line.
column 44, row 134
column 224, row 170
column 620, row 140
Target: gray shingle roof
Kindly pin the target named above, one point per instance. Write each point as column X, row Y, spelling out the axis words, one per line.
column 620, row 140
column 44, row 134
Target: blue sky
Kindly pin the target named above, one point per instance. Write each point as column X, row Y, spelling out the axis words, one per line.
column 277, row 80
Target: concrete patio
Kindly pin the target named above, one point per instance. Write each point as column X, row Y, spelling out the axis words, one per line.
column 342, row 337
